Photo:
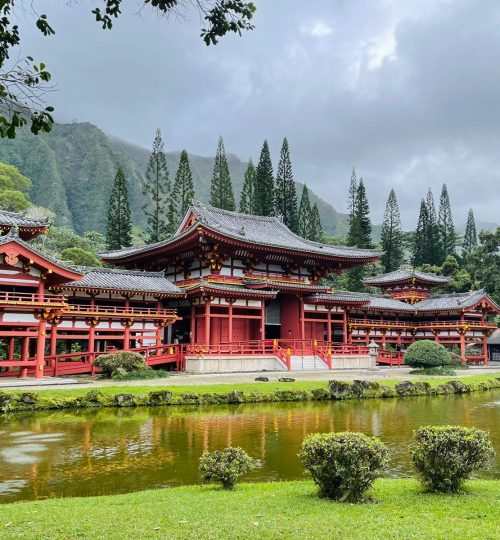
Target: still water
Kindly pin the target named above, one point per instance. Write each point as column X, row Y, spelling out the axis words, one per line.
column 82, row 453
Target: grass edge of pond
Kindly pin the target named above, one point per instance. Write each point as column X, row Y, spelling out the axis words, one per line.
column 133, row 396
column 261, row 510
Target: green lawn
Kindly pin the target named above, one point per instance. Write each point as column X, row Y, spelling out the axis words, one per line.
column 261, row 387
column 272, row 510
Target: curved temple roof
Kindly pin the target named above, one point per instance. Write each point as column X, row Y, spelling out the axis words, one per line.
column 442, row 303
column 405, row 274
column 110, row 279
column 27, row 227
column 257, row 230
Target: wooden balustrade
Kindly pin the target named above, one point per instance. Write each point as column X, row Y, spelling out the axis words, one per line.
column 17, row 298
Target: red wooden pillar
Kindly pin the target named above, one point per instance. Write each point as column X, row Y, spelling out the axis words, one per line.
column 159, row 332
column 207, row 321
column 383, row 339
column 329, row 326
column 302, row 317
column 25, row 353
column 41, row 288
column 230, row 322
column 192, row 325
column 345, row 336
column 485, row 350
column 53, row 340
column 462, row 338
column 40, row 348
column 12, row 346
column 126, row 334
column 263, row 320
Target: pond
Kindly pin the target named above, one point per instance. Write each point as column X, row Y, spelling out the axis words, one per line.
column 106, row 451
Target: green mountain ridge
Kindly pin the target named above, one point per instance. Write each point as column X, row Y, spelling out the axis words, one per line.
column 73, row 167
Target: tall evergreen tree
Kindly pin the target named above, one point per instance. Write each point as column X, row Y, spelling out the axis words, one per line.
column 446, row 228
column 351, row 201
column 119, row 225
column 419, row 255
column 362, row 226
column 392, row 235
column 264, row 183
column 432, row 248
column 221, row 190
column 285, row 193
column 182, row 193
column 304, row 220
column 470, row 237
column 247, row 200
column 156, row 189
column 315, row 232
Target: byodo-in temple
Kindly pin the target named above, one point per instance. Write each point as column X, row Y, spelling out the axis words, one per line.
column 227, row 292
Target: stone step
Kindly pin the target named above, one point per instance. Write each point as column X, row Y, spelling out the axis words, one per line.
column 307, row 363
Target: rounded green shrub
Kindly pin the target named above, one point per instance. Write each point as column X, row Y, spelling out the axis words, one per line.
column 445, row 456
column 344, row 465
column 427, row 353
column 120, row 362
column 225, row 466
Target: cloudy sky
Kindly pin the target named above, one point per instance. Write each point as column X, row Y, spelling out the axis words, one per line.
column 407, row 91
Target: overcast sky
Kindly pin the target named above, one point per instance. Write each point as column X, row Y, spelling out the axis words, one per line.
column 407, row 91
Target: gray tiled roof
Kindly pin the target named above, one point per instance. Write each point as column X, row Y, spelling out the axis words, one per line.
column 228, row 287
column 124, row 280
column 16, row 219
column 341, row 296
column 446, row 302
column 403, row 274
column 285, row 284
column 268, row 231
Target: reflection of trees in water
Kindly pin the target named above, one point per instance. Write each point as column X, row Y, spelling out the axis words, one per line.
column 111, row 450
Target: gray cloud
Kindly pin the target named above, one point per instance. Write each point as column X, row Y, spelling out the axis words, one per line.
column 406, row 91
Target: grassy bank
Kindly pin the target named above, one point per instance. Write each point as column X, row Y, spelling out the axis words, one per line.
column 268, row 511
column 132, row 396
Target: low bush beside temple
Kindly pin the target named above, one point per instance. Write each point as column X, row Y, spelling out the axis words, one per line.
column 343, row 465
column 446, row 456
column 225, row 466
column 126, row 366
column 427, row 354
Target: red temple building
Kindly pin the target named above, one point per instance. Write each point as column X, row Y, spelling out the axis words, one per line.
column 227, row 292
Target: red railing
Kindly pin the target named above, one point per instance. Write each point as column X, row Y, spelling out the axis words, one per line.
column 120, row 311
column 391, row 358
column 419, row 324
column 275, row 276
column 31, row 298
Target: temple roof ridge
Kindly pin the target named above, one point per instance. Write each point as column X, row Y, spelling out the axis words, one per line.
column 404, row 273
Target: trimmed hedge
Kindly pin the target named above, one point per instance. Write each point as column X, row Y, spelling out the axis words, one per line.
column 427, row 354
column 225, row 466
column 336, row 391
column 446, row 456
column 343, row 465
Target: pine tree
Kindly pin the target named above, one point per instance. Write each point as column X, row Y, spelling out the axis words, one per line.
column 315, row 232
column 419, row 255
column 119, row 225
column 182, row 193
column 351, row 201
column 431, row 234
column 156, row 189
column 285, row 193
column 392, row 235
column 470, row 237
column 247, row 200
column 221, row 190
column 446, row 228
column 304, row 220
column 264, row 183
column 362, row 218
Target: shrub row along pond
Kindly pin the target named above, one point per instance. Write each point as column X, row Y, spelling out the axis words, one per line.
column 345, row 465
column 336, row 390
